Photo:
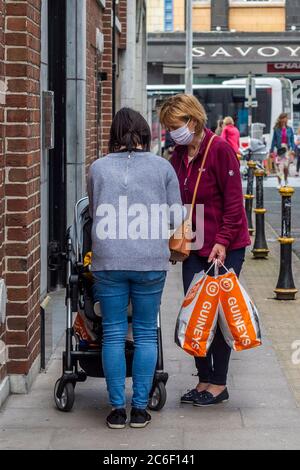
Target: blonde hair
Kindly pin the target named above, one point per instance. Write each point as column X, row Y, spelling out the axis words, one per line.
column 183, row 107
column 228, row 120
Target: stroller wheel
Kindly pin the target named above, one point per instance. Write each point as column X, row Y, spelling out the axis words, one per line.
column 158, row 398
column 66, row 401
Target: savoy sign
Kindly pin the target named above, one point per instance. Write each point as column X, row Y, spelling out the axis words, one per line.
column 171, row 49
column 247, row 52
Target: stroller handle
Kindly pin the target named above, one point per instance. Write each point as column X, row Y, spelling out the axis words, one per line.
column 76, row 224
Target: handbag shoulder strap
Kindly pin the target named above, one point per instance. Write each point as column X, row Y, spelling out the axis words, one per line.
column 199, row 176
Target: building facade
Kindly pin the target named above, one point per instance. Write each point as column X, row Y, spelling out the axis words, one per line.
column 63, row 74
column 231, row 38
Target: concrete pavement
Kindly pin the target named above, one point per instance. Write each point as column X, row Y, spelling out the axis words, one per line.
column 264, row 386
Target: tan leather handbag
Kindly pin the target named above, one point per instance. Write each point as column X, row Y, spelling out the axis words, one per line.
column 180, row 241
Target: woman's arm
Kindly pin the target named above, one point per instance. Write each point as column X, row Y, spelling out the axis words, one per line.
column 229, row 181
column 292, row 139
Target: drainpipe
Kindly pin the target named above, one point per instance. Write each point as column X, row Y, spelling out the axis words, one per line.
column 76, row 102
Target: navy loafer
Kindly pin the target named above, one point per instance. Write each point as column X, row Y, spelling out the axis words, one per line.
column 207, row 398
column 190, row 396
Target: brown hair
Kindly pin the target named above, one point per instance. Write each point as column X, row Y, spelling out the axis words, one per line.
column 280, row 117
column 129, row 129
column 183, row 107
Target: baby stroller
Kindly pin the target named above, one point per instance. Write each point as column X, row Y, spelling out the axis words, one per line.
column 82, row 359
column 256, row 151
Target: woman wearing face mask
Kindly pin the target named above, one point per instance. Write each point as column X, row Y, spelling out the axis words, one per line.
column 224, row 233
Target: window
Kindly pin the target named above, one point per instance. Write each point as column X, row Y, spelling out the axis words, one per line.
column 169, row 15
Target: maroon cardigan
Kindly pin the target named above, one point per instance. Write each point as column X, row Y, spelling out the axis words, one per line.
column 220, row 191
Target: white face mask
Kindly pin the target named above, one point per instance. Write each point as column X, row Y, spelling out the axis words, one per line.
column 182, row 135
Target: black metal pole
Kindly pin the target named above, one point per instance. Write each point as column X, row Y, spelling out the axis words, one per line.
column 260, row 248
column 285, row 289
column 249, row 195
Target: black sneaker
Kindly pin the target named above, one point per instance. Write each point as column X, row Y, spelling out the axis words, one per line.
column 207, row 398
column 139, row 418
column 190, row 396
column 117, row 419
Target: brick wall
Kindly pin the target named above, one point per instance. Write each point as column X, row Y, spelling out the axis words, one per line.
column 93, row 61
column 22, row 182
column 106, row 101
column 122, row 15
column 98, row 134
column 2, row 160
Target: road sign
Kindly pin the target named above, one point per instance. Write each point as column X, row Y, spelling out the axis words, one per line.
column 254, row 104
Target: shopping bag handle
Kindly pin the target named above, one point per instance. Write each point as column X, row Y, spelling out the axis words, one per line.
column 215, row 265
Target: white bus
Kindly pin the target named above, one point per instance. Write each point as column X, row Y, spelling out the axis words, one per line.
column 274, row 96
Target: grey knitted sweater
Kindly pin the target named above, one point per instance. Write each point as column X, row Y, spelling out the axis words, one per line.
column 125, row 191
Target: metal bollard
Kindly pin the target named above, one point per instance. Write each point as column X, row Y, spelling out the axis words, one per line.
column 260, row 249
column 285, row 289
column 249, row 195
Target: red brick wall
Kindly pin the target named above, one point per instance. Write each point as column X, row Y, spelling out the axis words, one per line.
column 97, row 17
column 107, row 85
column 122, row 14
column 22, row 188
column 93, row 62
column 2, row 162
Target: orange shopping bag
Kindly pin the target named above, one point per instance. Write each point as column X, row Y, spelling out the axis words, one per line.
column 197, row 319
column 238, row 316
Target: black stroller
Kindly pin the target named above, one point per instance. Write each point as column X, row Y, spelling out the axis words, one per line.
column 82, row 359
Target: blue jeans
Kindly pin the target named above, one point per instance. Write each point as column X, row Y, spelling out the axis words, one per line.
column 214, row 367
column 113, row 289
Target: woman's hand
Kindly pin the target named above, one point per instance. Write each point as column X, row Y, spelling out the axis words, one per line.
column 218, row 253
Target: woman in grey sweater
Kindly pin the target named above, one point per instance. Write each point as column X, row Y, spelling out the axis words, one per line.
column 131, row 191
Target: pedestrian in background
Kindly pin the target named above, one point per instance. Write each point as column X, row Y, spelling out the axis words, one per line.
column 283, row 136
column 297, row 151
column 219, row 127
column 128, row 268
column 225, row 224
column 231, row 134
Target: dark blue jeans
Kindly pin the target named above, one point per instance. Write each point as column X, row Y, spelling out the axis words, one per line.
column 113, row 289
column 214, row 367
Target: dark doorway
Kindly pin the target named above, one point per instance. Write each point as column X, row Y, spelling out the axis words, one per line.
column 57, row 155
